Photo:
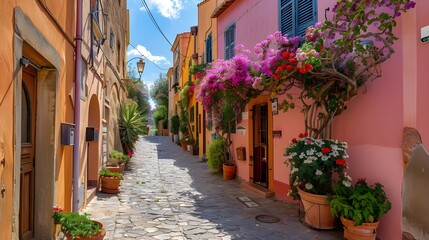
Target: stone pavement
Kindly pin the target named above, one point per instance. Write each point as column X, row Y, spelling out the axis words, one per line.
column 169, row 194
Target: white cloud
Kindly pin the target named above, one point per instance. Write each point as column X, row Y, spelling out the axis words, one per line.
column 141, row 50
column 167, row 8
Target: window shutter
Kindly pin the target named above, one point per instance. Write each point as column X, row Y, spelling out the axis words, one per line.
column 232, row 43
column 209, row 48
column 287, row 17
column 307, row 15
column 227, row 40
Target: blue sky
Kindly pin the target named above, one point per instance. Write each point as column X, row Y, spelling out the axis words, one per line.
column 173, row 17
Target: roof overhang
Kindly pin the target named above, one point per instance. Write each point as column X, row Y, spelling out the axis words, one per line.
column 221, row 8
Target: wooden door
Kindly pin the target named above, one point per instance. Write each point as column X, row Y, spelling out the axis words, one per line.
column 28, row 122
column 260, row 145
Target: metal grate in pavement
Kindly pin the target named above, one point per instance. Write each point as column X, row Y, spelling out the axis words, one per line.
column 247, row 202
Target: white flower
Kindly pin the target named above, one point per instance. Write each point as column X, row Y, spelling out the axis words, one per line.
column 324, row 158
column 347, row 177
column 334, row 153
column 319, row 154
column 308, row 186
column 347, row 183
column 294, row 169
column 302, row 155
column 310, row 152
column 318, row 172
column 308, row 160
column 345, row 155
column 293, row 154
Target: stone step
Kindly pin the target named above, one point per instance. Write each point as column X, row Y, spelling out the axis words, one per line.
column 255, row 188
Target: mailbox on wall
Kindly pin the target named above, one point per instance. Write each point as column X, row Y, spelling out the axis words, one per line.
column 241, row 153
column 67, row 134
column 91, row 134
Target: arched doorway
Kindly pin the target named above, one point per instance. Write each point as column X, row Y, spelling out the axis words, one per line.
column 93, row 152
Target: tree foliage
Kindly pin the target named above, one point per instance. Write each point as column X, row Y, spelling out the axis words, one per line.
column 159, row 91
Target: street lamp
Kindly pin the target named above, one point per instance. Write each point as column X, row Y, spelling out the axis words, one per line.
column 140, row 67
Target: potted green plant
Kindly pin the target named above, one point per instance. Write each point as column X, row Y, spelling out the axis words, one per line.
column 216, row 154
column 174, row 127
column 360, row 207
column 314, row 164
column 189, row 143
column 78, row 226
column 109, row 181
column 116, row 161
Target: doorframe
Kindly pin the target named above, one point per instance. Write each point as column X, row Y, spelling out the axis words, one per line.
column 257, row 101
column 47, row 124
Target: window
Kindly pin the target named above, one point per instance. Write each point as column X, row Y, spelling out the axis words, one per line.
column 209, row 56
column 296, row 16
column 229, row 41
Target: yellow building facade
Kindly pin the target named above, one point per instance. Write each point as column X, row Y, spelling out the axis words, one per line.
column 38, row 105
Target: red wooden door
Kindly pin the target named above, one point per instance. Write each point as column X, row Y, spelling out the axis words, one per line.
column 260, row 145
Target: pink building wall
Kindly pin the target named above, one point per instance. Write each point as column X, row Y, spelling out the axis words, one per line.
column 373, row 123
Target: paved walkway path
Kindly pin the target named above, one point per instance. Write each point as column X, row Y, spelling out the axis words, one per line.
column 169, row 194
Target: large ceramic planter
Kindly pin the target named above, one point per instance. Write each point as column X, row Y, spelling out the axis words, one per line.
column 110, row 184
column 228, row 171
column 366, row 231
column 317, row 210
column 99, row 236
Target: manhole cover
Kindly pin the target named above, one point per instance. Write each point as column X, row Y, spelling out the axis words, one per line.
column 267, row 219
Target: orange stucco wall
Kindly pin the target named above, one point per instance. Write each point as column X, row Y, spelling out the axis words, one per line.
column 44, row 42
column 206, row 26
column 8, row 71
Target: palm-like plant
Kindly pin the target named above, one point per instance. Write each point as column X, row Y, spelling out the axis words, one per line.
column 131, row 124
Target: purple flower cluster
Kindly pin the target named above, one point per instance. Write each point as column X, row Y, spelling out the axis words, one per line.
column 270, row 50
column 226, row 78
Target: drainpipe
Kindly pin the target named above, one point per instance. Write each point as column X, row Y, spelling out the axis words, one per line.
column 78, row 80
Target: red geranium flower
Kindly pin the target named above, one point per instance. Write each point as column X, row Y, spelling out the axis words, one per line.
column 326, row 150
column 306, row 134
column 285, row 55
column 341, row 162
column 294, row 140
column 301, row 135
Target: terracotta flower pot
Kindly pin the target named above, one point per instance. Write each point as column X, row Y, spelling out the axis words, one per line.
column 184, row 145
column 228, row 171
column 317, row 210
column 99, row 236
column 366, row 231
column 110, row 184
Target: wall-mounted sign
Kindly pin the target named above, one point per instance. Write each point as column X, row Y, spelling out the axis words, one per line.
column 277, row 134
column 245, row 115
column 241, row 130
column 424, row 31
column 275, row 106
